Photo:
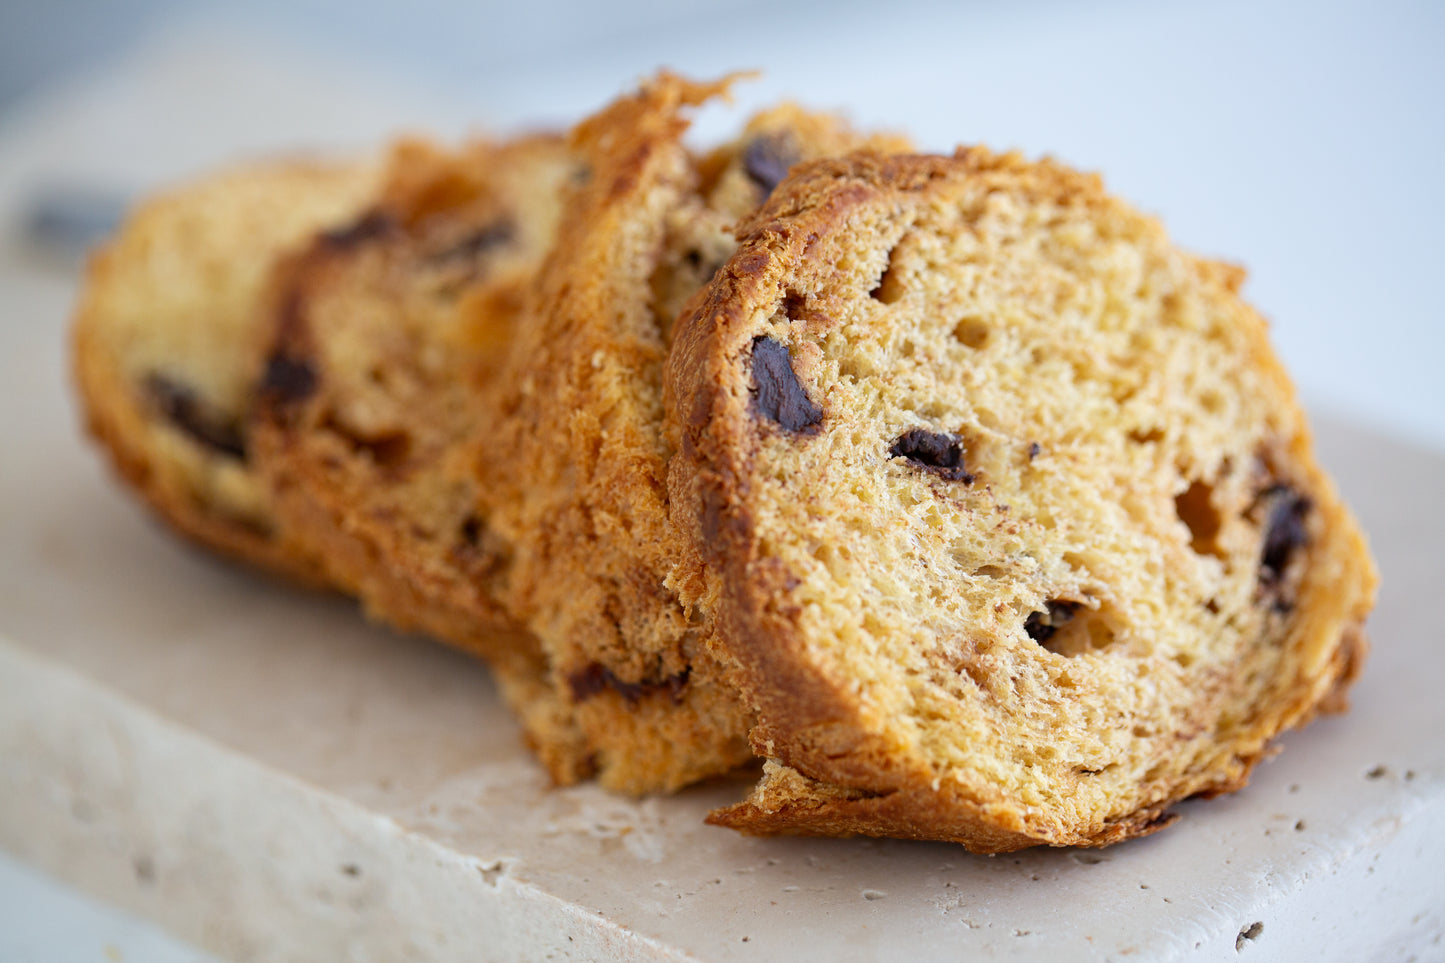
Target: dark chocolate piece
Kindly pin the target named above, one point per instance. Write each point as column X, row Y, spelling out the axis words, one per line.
column 368, row 227
column 478, row 242
column 597, row 677
column 776, row 392
column 203, row 422
column 288, row 380
column 934, row 451
column 1041, row 626
column 767, row 159
column 1285, row 530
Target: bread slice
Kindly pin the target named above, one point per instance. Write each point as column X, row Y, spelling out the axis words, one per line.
column 384, row 332
column 166, row 348
column 575, row 468
column 1013, row 530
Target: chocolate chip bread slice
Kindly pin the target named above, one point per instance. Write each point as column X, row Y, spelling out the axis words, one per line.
column 384, row 332
column 166, row 347
column 1013, row 528
column 575, row 463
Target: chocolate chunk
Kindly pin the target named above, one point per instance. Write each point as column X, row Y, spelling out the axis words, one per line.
column 288, row 381
column 596, row 677
column 478, row 550
column 1041, row 626
column 934, row 451
column 588, row 682
column 387, row 450
column 1285, row 530
column 370, row 226
column 767, row 159
column 204, row 423
column 478, row 242
column 776, row 392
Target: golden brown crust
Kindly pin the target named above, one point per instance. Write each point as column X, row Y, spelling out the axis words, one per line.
column 787, row 803
column 576, row 481
column 827, row 273
column 246, row 539
column 164, row 345
column 573, row 477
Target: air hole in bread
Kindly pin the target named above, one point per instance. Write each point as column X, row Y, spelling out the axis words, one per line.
column 889, row 288
column 1044, row 624
column 972, row 332
column 1195, row 507
column 386, row 449
column 1146, row 436
column 1069, row 628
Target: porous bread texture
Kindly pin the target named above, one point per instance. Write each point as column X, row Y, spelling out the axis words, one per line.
column 165, row 345
column 574, row 477
column 1013, row 530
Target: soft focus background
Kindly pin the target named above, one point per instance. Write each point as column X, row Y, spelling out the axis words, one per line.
column 1301, row 140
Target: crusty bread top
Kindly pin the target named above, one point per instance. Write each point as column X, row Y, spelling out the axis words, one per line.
column 1011, row 516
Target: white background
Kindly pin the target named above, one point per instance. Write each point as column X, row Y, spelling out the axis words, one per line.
column 1301, row 140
